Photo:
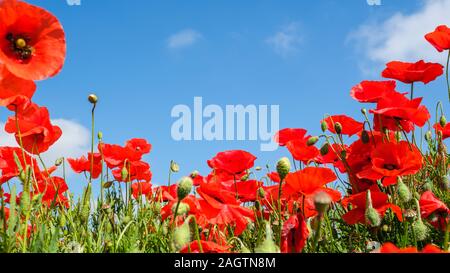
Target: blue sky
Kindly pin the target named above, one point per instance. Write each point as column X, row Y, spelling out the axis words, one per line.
column 301, row 55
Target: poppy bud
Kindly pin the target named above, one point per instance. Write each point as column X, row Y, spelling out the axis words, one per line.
column 124, row 173
column 245, row 177
column 93, row 98
column 183, row 208
column 258, row 205
column 268, row 245
column 22, row 176
column 398, row 136
column 261, row 193
column 258, row 168
column 21, row 43
column 420, row 230
column 59, row 161
column 174, row 167
column 194, row 174
column 443, row 121
column 403, row 191
column 182, row 235
column 372, row 216
column 324, row 126
column 283, row 167
column 428, row 136
column 365, row 138
column 184, row 187
column 364, row 111
column 338, row 128
column 100, row 135
column 428, row 186
column 325, row 149
column 312, row 140
column 321, row 202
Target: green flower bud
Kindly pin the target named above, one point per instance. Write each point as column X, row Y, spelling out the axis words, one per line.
column 321, row 202
column 100, row 135
column 183, row 208
column 194, row 174
column 324, row 126
column 261, row 193
column 338, row 128
column 258, row 168
column 174, row 167
column 428, row 186
column 59, row 161
column 283, row 167
column 181, row 235
column 245, row 177
column 325, row 149
column 364, row 111
column 403, row 191
column 365, row 138
column 258, row 205
column 124, row 173
column 268, row 245
column 184, row 187
column 93, row 98
column 312, row 140
column 443, row 121
column 428, row 136
column 372, row 216
column 420, row 230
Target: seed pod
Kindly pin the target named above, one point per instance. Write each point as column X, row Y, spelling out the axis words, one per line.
column 184, row 187
column 283, row 167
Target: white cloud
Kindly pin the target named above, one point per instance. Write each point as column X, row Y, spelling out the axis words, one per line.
column 183, row 38
column 286, row 41
column 74, row 142
column 401, row 37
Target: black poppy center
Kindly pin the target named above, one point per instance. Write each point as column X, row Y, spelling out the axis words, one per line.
column 390, row 167
column 20, row 45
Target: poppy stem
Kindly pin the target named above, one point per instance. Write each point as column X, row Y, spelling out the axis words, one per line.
column 412, row 90
column 317, row 234
column 447, row 74
column 92, row 142
column 446, row 237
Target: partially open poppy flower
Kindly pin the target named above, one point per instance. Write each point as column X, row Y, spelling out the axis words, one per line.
column 349, row 125
column 301, row 151
column 439, row 38
column 413, row 72
column 294, row 234
column 396, row 111
column 434, row 210
column 32, row 43
column 379, row 202
column 15, row 93
column 233, row 162
column 136, row 171
column 36, row 130
column 83, row 164
column 8, row 166
column 372, row 91
column 392, row 160
column 282, row 137
column 444, row 130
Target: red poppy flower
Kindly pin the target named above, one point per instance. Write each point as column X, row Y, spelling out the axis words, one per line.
column 372, row 91
column 349, row 125
column 207, row 247
column 15, row 93
column 439, row 38
column 379, row 202
column 83, row 164
column 233, row 162
column 137, row 171
column 294, row 234
column 115, row 155
column 301, row 151
column 392, row 160
column 274, row 177
column 413, row 72
column 141, row 188
column 190, row 200
column 52, row 190
column 33, row 45
column 139, row 145
column 434, row 210
column 247, row 190
column 282, row 137
column 224, row 214
column 8, row 164
column 38, row 134
column 391, row 248
column 309, row 180
column 444, row 130
column 166, row 193
column 333, row 156
column 395, row 109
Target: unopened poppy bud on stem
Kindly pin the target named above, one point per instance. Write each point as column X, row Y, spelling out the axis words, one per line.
column 365, row 138
column 428, row 136
column 93, row 98
column 321, row 202
column 443, row 121
column 324, row 126
column 403, row 191
column 283, row 167
column 312, row 140
column 174, row 167
column 59, row 161
column 325, row 149
column 184, row 187
column 194, row 174
column 338, row 128
column 419, row 228
column 372, row 216
column 100, row 135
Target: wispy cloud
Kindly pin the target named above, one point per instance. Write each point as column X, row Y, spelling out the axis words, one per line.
column 286, row 42
column 183, row 38
column 74, row 141
column 401, row 37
